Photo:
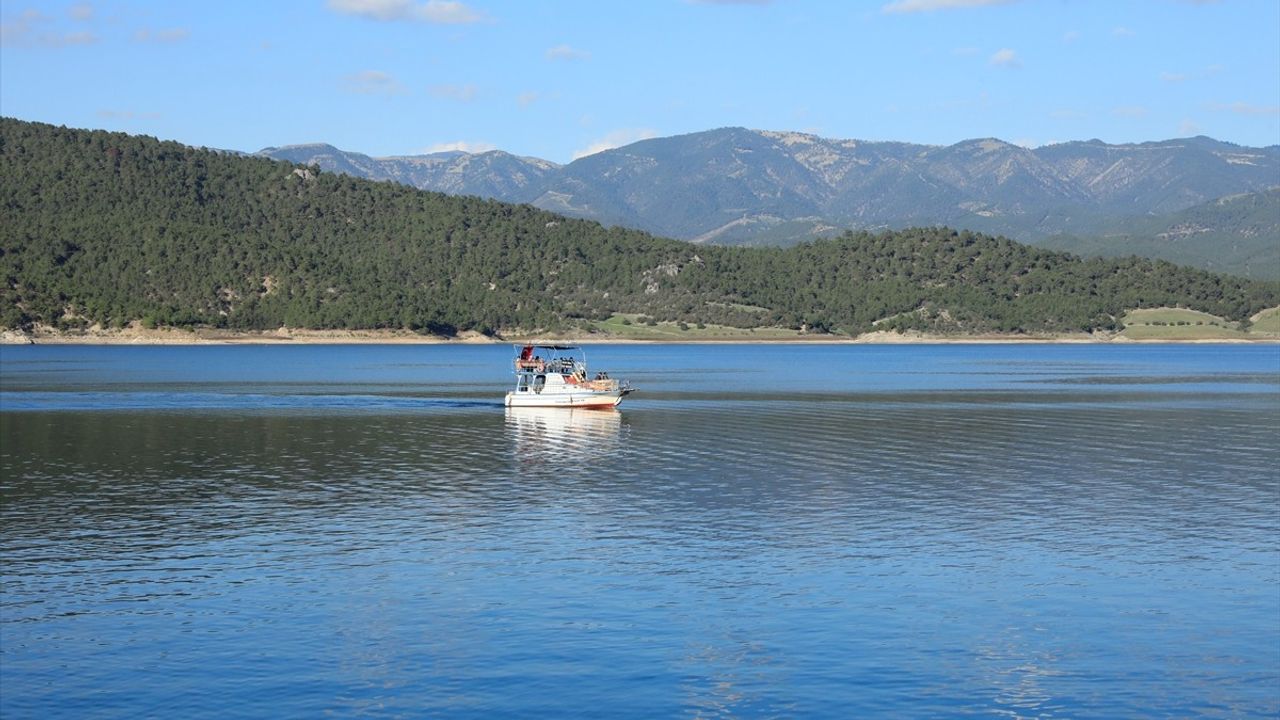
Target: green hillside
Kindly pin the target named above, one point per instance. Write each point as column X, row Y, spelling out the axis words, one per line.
column 106, row 228
column 1238, row 234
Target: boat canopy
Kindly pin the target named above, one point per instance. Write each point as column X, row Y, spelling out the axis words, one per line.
column 547, row 346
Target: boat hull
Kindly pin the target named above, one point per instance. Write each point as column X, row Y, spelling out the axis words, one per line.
column 568, row 400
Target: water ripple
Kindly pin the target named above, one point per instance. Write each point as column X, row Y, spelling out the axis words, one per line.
column 973, row 545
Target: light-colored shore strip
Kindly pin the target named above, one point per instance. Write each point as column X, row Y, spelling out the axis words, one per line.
column 167, row 336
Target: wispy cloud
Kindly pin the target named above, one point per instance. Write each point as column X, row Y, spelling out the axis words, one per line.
column 526, row 99
column 25, row 32
column 461, row 93
column 1244, row 108
column 1070, row 36
column 1188, row 127
column 1067, row 114
column 728, row 2
column 1006, row 58
column 462, row 146
column 1130, row 111
column 615, row 139
column 81, row 11
column 164, row 37
column 914, row 6
column 81, row 37
column 564, row 52
column 441, row 12
column 372, row 82
column 1173, row 77
column 1122, row 32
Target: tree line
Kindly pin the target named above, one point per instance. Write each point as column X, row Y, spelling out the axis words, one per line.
column 107, row 228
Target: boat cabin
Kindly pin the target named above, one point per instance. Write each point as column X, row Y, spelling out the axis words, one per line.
column 557, row 374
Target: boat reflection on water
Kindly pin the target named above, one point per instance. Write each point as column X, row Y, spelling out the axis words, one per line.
column 563, row 436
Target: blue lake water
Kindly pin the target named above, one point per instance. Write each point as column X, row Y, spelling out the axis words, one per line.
column 761, row 531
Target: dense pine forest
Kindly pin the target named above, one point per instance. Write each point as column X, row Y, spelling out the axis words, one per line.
column 106, row 228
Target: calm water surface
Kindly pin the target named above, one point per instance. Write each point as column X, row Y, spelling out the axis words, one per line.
column 836, row 531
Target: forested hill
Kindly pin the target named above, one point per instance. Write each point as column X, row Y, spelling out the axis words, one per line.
column 106, row 228
column 1237, row 234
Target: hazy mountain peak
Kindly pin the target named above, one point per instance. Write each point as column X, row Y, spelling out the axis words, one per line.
column 790, row 138
column 737, row 185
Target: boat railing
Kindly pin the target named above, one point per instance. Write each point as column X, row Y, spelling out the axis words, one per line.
column 562, row 366
column 530, row 366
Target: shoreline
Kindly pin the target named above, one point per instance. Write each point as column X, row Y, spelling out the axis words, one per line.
column 168, row 336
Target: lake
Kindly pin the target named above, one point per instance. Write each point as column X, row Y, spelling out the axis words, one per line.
column 761, row 531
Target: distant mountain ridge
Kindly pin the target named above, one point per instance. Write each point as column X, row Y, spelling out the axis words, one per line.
column 1237, row 234
column 740, row 186
column 493, row 174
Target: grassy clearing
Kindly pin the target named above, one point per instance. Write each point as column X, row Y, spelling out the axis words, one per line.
column 1174, row 315
column 669, row 331
column 1266, row 322
column 1179, row 324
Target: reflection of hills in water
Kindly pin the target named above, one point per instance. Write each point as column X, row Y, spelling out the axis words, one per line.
column 563, row 435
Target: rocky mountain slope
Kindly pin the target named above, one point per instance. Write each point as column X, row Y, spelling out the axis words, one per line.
column 1237, row 234
column 739, row 186
column 493, row 174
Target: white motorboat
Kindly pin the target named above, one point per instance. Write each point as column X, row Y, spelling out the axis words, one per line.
column 560, row 380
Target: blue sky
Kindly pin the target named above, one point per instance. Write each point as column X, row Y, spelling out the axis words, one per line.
column 560, row 79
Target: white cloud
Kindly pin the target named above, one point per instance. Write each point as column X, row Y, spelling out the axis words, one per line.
column 81, row 11
column 617, row 138
column 1067, row 114
column 22, row 32
column 1172, row 77
column 912, row 6
column 170, row 35
column 462, row 146
column 461, row 93
column 372, row 82
column 1188, row 127
column 1006, row 58
column 1130, row 111
column 18, row 31
column 564, row 52
column 441, row 12
column 1243, row 108
column 83, row 37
